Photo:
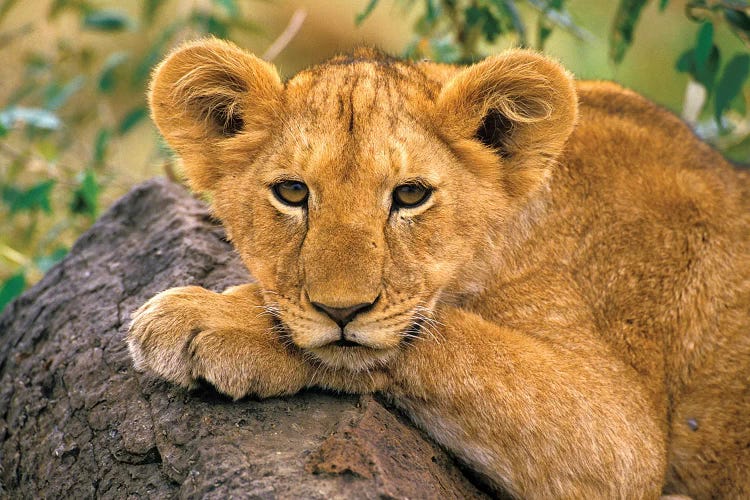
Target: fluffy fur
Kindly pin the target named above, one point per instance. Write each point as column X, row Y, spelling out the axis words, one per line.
column 568, row 312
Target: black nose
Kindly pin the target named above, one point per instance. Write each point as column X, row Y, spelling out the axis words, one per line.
column 343, row 315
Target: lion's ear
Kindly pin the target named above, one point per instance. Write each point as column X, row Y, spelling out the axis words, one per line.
column 207, row 95
column 519, row 105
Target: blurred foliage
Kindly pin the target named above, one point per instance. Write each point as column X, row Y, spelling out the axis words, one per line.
column 463, row 31
column 82, row 98
column 76, row 90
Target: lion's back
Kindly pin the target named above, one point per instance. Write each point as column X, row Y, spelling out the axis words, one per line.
column 662, row 249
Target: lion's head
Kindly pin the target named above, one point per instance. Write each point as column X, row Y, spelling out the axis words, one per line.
column 363, row 191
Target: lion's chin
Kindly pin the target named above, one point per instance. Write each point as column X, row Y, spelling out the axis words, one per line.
column 355, row 359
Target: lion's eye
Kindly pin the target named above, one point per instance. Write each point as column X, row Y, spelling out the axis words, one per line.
column 410, row 195
column 292, row 193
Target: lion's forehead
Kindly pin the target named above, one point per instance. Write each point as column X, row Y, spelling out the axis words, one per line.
column 360, row 95
column 359, row 172
column 356, row 123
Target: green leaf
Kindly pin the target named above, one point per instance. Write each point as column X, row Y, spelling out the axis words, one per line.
column 29, row 200
column 58, row 6
column 706, row 74
column 738, row 19
column 131, row 119
column 3, row 130
column 432, row 12
column 739, row 105
column 428, row 20
column 150, row 9
column 474, row 16
column 154, row 54
column 556, row 4
column 543, row 32
column 5, row 7
column 56, row 96
column 86, row 196
column 217, row 27
column 703, row 44
column 484, row 19
column 37, row 65
column 509, row 8
column 558, row 16
column 100, row 146
column 621, row 36
column 685, row 62
column 45, row 262
column 663, row 5
column 544, row 24
column 730, row 84
column 366, row 12
column 107, row 20
column 107, row 80
column 210, row 24
column 229, row 6
column 12, row 288
column 48, row 149
column 33, row 117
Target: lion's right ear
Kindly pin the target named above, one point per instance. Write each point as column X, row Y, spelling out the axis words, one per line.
column 209, row 97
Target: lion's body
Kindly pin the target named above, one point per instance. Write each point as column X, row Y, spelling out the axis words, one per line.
column 647, row 242
column 567, row 310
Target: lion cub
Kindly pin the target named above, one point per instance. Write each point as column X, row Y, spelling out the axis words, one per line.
column 552, row 278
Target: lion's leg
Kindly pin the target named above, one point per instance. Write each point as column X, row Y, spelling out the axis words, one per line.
column 229, row 339
column 534, row 418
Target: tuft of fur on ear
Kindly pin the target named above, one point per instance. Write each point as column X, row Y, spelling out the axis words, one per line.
column 205, row 97
column 519, row 106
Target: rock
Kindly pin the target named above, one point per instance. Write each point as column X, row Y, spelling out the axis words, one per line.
column 77, row 421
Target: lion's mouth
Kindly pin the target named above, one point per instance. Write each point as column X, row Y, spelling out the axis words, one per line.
column 376, row 349
column 409, row 334
column 346, row 343
column 377, row 339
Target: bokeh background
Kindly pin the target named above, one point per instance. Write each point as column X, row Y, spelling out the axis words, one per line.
column 74, row 129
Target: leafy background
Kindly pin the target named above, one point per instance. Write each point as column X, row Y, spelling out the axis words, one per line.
column 74, row 129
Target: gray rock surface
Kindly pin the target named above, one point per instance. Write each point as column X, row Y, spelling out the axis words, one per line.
column 77, row 422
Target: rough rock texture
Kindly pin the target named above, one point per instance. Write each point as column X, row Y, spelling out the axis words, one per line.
column 77, row 422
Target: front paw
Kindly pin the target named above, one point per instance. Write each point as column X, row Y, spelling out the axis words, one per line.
column 186, row 334
column 162, row 332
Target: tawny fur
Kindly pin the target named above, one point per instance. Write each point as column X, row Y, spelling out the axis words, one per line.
column 568, row 312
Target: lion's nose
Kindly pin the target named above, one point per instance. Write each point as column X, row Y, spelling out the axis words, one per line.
column 343, row 315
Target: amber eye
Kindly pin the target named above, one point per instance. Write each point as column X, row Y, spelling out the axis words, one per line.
column 292, row 193
column 410, row 195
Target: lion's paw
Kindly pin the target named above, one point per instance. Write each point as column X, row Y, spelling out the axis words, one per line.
column 186, row 334
column 162, row 332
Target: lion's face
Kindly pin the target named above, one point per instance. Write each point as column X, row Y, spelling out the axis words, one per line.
column 388, row 220
column 357, row 193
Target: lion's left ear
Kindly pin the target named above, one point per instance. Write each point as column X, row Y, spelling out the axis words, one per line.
column 520, row 106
